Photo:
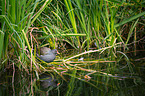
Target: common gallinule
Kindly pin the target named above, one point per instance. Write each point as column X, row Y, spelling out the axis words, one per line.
column 48, row 55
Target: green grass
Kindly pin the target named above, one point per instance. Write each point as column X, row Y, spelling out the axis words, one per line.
column 102, row 32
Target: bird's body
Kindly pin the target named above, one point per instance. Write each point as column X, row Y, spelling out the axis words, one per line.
column 48, row 54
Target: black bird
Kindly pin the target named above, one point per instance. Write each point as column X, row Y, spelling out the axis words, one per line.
column 48, row 54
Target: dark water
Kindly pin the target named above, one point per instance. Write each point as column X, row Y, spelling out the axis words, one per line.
column 110, row 79
column 123, row 78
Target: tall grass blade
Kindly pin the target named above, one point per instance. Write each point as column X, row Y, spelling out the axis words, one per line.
column 130, row 19
column 72, row 18
column 2, row 41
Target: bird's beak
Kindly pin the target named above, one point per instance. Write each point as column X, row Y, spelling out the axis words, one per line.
column 58, row 52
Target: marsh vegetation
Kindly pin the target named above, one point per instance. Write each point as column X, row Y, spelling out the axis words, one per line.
column 101, row 45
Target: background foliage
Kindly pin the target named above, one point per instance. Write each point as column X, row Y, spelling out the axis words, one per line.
column 108, row 34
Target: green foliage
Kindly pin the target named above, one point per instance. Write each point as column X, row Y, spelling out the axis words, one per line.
column 107, row 26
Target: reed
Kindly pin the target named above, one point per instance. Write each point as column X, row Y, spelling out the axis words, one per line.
column 100, row 31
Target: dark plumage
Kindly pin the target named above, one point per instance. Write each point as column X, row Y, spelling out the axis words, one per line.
column 48, row 54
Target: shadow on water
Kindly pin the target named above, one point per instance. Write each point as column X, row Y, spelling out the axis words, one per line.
column 87, row 75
